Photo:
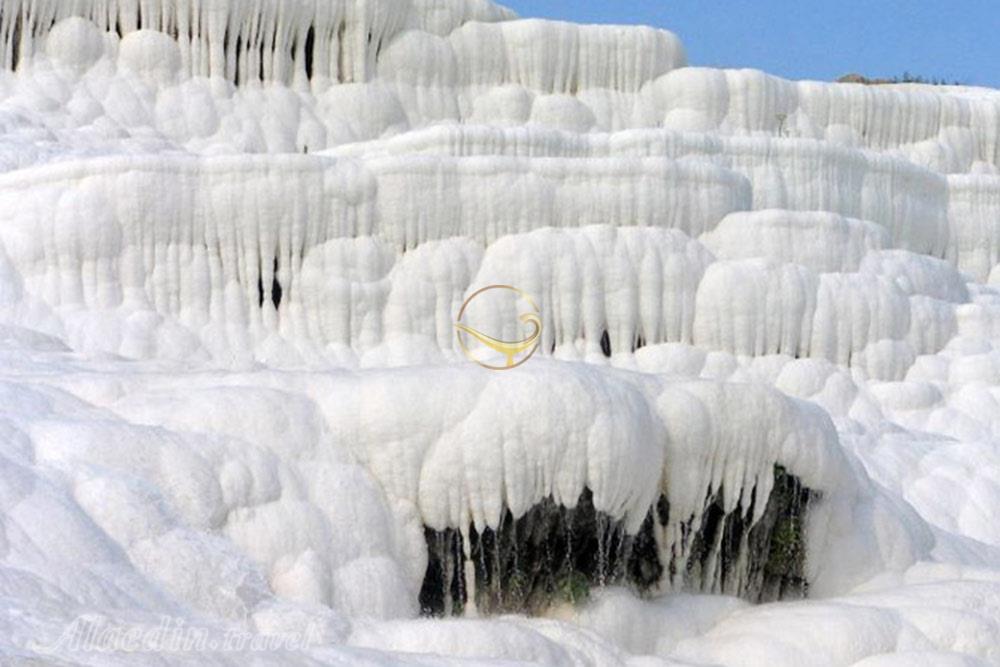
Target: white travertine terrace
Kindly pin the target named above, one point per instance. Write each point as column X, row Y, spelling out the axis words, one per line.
column 234, row 235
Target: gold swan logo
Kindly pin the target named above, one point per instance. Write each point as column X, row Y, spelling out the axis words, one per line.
column 514, row 352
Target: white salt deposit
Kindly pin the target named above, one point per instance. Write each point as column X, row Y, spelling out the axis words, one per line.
column 234, row 237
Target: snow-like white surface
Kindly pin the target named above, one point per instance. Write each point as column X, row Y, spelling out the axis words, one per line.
column 232, row 248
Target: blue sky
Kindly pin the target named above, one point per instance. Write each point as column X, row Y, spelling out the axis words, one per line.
column 814, row 39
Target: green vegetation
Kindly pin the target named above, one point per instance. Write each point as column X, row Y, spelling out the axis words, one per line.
column 906, row 77
column 574, row 588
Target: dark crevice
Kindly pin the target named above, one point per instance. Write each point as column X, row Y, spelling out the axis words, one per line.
column 260, row 62
column 276, row 290
column 270, row 52
column 773, row 548
column 555, row 555
column 606, row 344
column 442, row 590
column 552, row 554
column 341, row 65
column 237, row 58
column 15, row 41
column 309, row 48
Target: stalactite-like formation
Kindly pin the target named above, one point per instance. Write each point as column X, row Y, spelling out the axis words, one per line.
column 554, row 555
column 284, row 41
column 730, row 553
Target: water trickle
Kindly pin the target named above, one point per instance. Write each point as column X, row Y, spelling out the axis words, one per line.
column 554, row 554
